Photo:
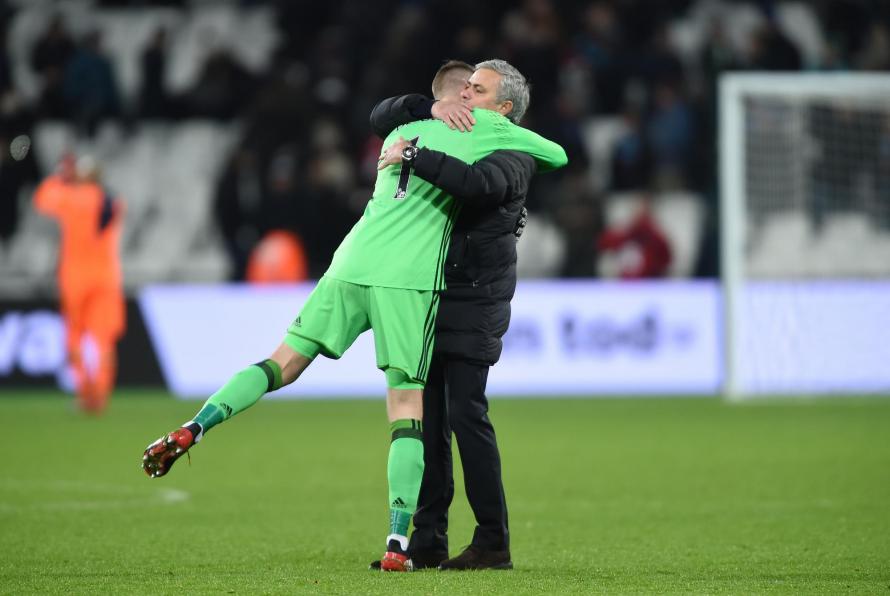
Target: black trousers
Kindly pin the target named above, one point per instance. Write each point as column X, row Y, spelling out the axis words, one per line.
column 454, row 401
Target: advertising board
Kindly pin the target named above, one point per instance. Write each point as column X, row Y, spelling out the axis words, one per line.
column 565, row 338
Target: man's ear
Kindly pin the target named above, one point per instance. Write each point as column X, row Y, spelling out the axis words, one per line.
column 506, row 107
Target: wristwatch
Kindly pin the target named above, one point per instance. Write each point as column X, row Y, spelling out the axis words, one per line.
column 409, row 153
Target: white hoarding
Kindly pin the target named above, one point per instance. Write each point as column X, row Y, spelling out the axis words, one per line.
column 815, row 337
column 599, row 337
column 565, row 338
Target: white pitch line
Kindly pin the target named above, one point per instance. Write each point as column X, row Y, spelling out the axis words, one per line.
column 172, row 495
column 161, row 496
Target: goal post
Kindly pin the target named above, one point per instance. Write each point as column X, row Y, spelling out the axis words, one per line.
column 805, row 225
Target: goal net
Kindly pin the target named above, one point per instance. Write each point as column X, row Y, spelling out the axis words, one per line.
column 805, row 223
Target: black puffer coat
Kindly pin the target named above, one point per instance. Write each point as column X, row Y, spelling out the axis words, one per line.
column 480, row 273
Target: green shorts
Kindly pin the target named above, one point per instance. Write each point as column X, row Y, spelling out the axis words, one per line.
column 337, row 312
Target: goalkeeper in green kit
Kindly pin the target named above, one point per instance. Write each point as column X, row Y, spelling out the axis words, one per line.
column 386, row 276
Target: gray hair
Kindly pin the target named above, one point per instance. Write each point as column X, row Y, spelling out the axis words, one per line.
column 513, row 87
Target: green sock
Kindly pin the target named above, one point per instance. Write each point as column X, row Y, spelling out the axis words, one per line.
column 404, row 471
column 239, row 393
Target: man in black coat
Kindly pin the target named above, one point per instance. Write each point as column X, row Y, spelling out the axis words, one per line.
column 474, row 311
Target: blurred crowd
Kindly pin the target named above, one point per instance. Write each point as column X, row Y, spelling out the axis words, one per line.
column 306, row 158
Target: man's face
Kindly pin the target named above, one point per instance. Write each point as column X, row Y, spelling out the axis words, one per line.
column 481, row 92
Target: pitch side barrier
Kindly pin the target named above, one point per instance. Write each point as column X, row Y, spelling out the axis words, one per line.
column 582, row 338
column 565, row 338
column 32, row 348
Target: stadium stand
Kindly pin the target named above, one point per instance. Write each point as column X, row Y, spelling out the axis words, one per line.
column 269, row 102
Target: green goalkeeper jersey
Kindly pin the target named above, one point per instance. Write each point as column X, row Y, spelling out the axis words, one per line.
column 402, row 238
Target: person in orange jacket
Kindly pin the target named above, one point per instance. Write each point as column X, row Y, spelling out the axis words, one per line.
column 278, row 258
column 90, row 282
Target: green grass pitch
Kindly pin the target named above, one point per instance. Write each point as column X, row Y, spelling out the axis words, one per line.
column 606, row 495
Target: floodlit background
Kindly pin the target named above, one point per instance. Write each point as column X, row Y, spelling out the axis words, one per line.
column 220, row 122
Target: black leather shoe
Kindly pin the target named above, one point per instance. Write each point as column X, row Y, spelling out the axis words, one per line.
column 421, row 560
column 474, row 557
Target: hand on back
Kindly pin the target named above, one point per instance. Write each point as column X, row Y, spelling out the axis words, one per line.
column 454, row 114
column 392, row 154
